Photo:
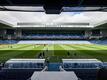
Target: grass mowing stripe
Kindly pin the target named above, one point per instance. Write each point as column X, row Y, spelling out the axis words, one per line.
column 6, row 54
column 50, row 51
column 67, row 47
column 47, row 50
column 13, row 55
column 104, row 46
column 78, row 53
column 43, row 49
column 59, row 51
column 102, row 57
column 30, row 53
column 92, row 49
column 97, row 47
column 30, row 47
column 14, row 46
column 83, row 51
column 21, row 46
column 3, row 46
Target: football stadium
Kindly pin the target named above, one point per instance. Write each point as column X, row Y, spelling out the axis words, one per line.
column 53, row 40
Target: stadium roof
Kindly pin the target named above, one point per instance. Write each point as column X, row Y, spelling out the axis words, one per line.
column 26, row 61
column 93, row 18
column 81, row 61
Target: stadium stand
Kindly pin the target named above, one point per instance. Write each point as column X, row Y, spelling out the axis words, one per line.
column 86, row 69
column 102, row 74
column 101, row 42
column 50, row 36
column 50, row 32
column 8, row 41
column 21, row 69
column 54, row 35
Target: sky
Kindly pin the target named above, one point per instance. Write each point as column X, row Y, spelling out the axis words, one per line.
column 93, row 18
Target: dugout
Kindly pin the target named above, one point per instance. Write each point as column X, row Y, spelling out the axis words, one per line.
column 21, row 69
column 86, row 69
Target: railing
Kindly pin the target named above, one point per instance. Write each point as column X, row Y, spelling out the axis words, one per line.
column 61, row 69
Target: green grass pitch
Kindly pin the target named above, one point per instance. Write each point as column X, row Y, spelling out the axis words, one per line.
column 53, row 52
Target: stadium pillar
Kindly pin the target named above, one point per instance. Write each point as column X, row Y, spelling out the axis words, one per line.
column 3, row 33
column 104, row 33
column 88, row 33
column 18, row 33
